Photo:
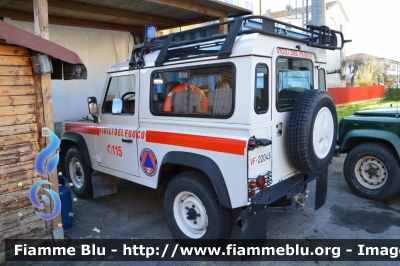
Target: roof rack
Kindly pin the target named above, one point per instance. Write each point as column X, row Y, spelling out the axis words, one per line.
column 315, row 36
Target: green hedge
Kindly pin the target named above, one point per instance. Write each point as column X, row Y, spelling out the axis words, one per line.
column 391, row 94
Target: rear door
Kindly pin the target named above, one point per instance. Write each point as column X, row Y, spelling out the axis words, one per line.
column 293, row 73
column 260, row 159
column 116, row 143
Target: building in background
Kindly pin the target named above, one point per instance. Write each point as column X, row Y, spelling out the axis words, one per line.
column 335, row 18
column 295, row 14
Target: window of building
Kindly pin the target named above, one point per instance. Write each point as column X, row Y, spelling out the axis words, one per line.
column 205, row 92
column 232, row 2
column 294, row 77
column 261, row 89
column 121, row 87
column 249, row 5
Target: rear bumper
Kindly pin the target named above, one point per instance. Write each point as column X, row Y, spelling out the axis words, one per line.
column 253, row 218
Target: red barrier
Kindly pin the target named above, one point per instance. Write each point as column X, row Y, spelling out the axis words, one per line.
column 343, row 95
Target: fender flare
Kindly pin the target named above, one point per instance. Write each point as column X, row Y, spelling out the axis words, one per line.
column 386, row 136
column 80, row 143
column 205, row 165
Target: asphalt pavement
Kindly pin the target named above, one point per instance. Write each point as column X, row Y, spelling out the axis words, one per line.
column 136, row 212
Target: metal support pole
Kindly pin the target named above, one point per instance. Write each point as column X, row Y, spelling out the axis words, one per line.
column 318, row 12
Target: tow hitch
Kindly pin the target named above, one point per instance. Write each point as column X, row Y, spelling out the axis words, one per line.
column 253, row 218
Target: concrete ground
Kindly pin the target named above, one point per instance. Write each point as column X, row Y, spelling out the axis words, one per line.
column 137, row 212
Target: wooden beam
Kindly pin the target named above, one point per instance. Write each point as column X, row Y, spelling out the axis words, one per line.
column 17, row 120
column 27, row 16
column 4, row 2
column 17, row 90
column 41, row 22
column 186, row 5
column 17, row 110
column 223, row 29
column 10, row 140
column 106, row 11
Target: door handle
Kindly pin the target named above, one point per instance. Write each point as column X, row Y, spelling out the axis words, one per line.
column 127, row 140
column 279, row 129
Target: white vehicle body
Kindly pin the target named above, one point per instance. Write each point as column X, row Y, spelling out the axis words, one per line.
column 143, row 144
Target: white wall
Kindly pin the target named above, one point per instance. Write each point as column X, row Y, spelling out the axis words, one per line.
column 98, row 49
column 333, row 19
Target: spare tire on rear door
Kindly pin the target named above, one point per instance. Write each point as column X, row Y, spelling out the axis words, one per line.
column 312, row 131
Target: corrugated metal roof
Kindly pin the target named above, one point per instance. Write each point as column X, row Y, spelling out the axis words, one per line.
column 17, row 36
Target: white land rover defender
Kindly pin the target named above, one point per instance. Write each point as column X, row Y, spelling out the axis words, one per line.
column 237, row 120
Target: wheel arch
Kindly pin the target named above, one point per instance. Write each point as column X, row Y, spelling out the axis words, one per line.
column 206, row 166
column 356, row 137
column 70, row 139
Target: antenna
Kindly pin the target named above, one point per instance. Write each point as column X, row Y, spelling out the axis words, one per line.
column 397, row 91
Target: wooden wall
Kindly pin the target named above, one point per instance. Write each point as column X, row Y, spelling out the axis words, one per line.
column 19, row 144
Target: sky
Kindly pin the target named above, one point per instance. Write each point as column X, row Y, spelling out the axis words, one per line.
column 373, row 27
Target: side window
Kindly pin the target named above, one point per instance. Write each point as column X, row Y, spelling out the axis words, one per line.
column 321, row 79
column 294, row 77
column 203, row 92
column 121, row 87
column 261, row 89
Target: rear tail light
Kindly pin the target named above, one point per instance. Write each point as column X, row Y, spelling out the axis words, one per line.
column 252, row 192
column 252, row 144
column 260, row 181
column 252, row 184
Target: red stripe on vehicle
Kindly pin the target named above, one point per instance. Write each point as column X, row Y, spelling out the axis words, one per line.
column 233, row 146
column 80, row 128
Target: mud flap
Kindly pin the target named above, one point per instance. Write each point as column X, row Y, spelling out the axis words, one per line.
column 103, row 184
column 254, row 224
column 321, row 189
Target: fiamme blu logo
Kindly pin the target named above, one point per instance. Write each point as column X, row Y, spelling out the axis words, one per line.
column 50, row 167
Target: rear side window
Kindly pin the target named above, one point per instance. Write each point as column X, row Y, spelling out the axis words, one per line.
column 294, row 77
column 261, row 89
column 321, row 79
column 202, row 92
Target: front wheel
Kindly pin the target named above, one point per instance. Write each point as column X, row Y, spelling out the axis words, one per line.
column 371, row 171
column 193, row 211
column 78, row 173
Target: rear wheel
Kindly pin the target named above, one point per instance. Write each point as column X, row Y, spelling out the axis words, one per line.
column 78, row 174
column 371, row 171
column 193, row 211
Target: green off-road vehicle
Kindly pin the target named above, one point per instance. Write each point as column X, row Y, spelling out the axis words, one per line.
column 371, row 140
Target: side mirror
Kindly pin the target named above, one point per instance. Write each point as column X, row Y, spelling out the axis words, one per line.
column 116, row 106
column 93, row 107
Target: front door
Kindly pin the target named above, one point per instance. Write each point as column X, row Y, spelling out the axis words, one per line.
column 116, row 143
column 293, row 75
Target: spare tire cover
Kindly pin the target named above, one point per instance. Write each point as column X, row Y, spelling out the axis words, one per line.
column 312, row 131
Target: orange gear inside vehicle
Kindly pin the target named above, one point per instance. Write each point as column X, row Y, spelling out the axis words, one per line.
column 182, row 87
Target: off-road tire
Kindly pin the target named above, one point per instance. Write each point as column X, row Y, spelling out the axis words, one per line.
column 366, row 157
column 73, row 160
column 312, row 111
column 219, row 226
